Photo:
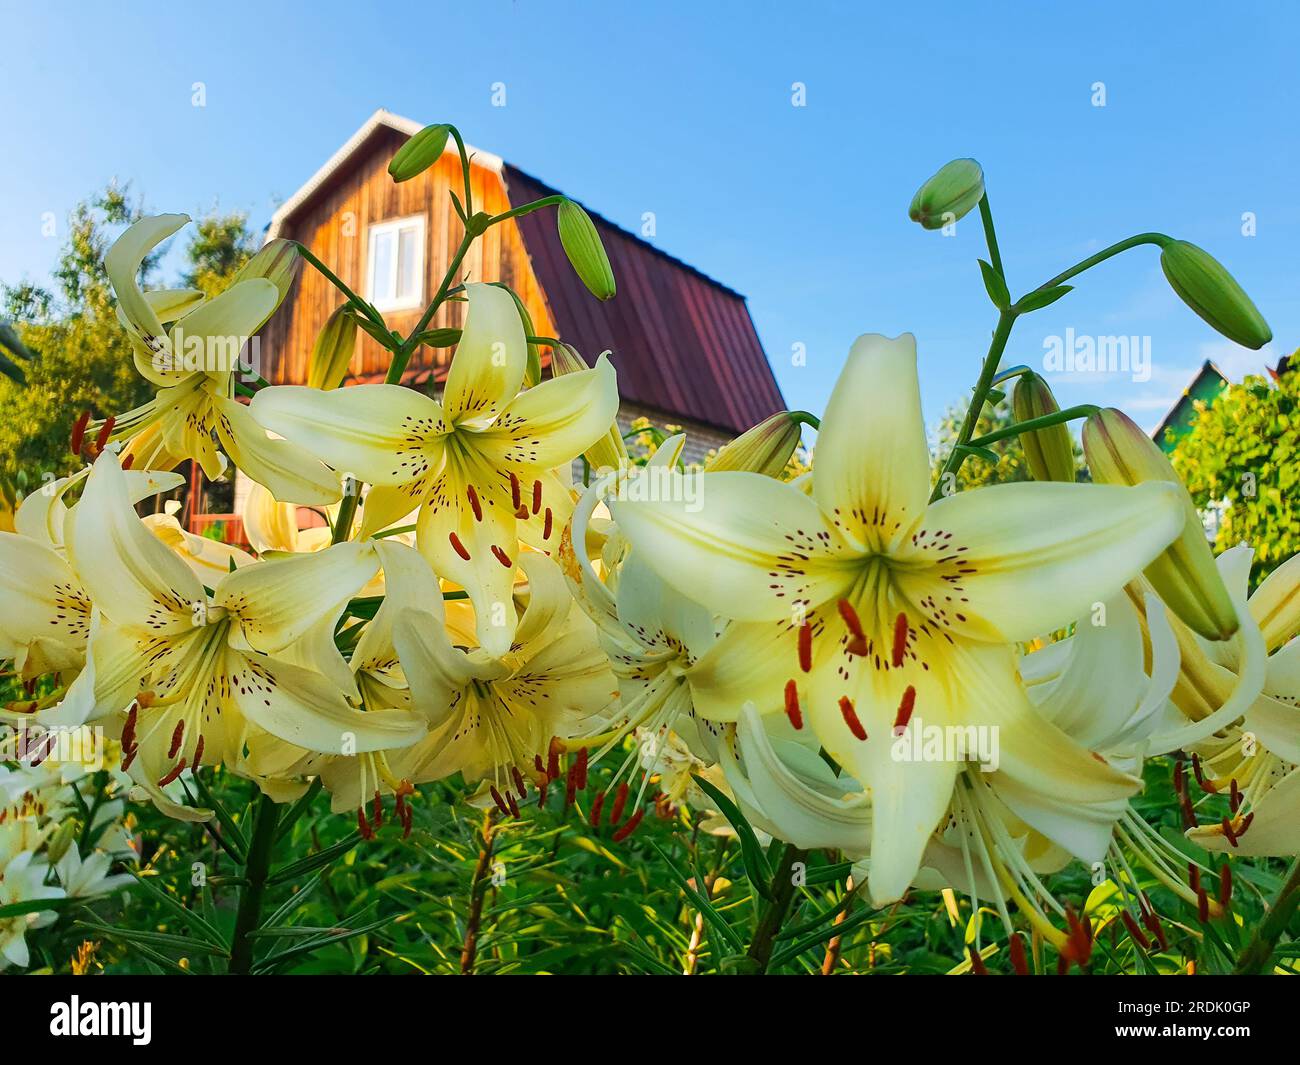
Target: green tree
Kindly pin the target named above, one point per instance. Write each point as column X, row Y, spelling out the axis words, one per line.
column 977, row 471
column 1241, row 457
column 219, row 246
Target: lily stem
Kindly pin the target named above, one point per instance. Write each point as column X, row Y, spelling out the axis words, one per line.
column 1259, row 952
column 249, row 914
column 774, row 913
column 477, row 891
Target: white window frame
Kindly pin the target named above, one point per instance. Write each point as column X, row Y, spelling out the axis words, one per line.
column 395, row 226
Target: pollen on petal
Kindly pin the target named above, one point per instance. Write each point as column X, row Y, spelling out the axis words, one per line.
column 457, row 546
column 900, row 639
column 792, row 710
column 905, row 709
column 501, row 556
column 805, row 647
column 475, row 505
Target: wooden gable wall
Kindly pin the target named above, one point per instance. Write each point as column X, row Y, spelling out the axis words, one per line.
column 334, row 223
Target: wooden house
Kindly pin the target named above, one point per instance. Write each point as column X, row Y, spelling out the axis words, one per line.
column 684, row 346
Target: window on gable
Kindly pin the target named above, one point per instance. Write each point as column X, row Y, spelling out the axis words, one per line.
column 395, row 264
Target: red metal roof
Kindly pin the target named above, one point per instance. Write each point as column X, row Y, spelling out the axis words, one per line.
column 682, row 343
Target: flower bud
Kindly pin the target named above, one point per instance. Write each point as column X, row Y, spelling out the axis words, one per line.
column 278, row 261
column 332, row 353
column 1208, row 289
column 610, row 451
column 765, row 449
column 58, row 846
column 1049, row 452
column 586, row 253
column 948, row 195
column 419, row 153
column 1184, row 575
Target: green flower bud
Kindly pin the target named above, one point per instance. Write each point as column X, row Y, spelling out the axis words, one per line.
column 610, row 451
column 61, row 841
column 278, row 261
column 765, row 449
column 332, row 353
column 949, row 195
column 1049, row 452
column 1208, row 289
column 419, row 153
column 1184, row 575
column 585, row 251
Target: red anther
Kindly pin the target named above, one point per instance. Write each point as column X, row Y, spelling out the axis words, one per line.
column 501, row 557
column 474, row 504
column 105, row 431
column 377, row 809
column 1245, row 824
column 1062, row 965
column 1079, row 945
column 128, row 730
column 1193, row 876
column 1135, row 933
column 1202, row 906
column 539, row 765
column 78, row 432
column 176, row 772
column 1225, row 885
column 457, row 546
column 553, row 759
column 198, row 752
column 1234, row 796
column 805, row 647
column 537, row 496
column 1204, row 781
column 582, row 769
column 629, row 826
column 1189, row 815
column 521, row 512
column 596, row 807
column 496, row 798
column 900, row 639
column 546, row 525
column 977, row 965
column 1180, row 777
column 1227, row 831
column 399, row 804
column 620, row 800
column 792, row 704
column 571, row 785
column 178, row 735
column 405, row 815
column 850, row 617
column 1154, row 926
column 541, row 792
column 128, row 461
column 514, row 806
column 129, row 757
column 363, row 826
column 514, row 492
column 519, row 781
column 905, row 710
column 851, row 718
column 1016, row 948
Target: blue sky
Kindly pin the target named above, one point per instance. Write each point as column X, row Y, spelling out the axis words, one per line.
column 685, row 110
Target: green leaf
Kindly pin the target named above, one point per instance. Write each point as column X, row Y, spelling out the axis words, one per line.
column 293, row 953
column 1041, row 298
column 987, row 454
column 313, row 861
column 702, row 904
column 17, row 909
column 192, row 919
column 995, row 286
column 751, row 852
column 233, row 836
column 184, row 944
column 299, row 808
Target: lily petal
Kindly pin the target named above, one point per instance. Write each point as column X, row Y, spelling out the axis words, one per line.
column 291, row 472
column 488, row 366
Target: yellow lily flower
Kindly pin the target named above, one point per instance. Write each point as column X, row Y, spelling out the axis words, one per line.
column 493, row 717
column 184, row 672
column 480, row 466
column 192, row 362
column 882, row 604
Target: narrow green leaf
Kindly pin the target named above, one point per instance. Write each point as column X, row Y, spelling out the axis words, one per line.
column 1041, row 298
column 314, row 861
column 995, row 286
column 195, row 922
column 751, row 852
column 702, row 904
column 184, row 944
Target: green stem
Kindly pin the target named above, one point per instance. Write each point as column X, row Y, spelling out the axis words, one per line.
column 1259, row 952
column 249, row 914
column 527, row 208
column 990, row 237
column 1006, row 319
column 403, row 354
column 774, row 913
column 1046, row 421
column 1100, row 257
column 347, row 514
column 334, row 280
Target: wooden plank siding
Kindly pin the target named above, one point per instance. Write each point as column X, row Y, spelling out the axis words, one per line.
column 335, row 223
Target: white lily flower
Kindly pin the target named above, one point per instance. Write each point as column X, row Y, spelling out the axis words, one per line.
column 192, row 363
column 881, row 604
column 23, row 880
column 86, row 878
column 190, row 671
column 480, row 467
